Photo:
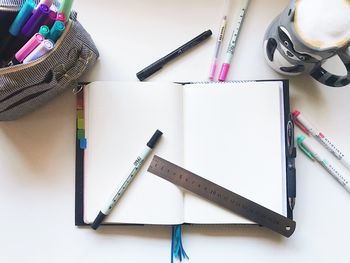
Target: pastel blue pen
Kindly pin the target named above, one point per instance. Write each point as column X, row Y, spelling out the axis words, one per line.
column 22, row 17
column 119, row 191
column 314, row 156
column 56, row 31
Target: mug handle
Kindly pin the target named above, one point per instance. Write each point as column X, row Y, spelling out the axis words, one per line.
column 329, row 79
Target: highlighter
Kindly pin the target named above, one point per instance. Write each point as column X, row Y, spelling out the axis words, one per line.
column 56, row 31
column 66, row 8
column 41, row 50
column 35, row 21
column 27, row 49
column 44, row 31
column 15, row 28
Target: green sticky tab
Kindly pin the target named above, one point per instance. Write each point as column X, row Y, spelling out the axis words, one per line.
column 80, row 114
column 80, row 123
column 81, row 134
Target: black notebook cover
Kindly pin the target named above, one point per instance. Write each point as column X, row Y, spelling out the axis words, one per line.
column 79, row 169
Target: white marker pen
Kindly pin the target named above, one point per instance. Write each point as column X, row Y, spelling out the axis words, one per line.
column 120, row 190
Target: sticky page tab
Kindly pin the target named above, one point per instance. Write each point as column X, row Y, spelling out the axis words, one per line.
column 83, row 143
column 80, row 114
column 80, row 134
column 80, row 123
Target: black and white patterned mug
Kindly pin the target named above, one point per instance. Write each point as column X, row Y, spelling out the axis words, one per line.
column 295, row 44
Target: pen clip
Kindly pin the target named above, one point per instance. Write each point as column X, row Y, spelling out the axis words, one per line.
column 290, row 136
column 308, row 153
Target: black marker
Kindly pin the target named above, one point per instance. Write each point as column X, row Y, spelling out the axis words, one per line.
column 148, row 71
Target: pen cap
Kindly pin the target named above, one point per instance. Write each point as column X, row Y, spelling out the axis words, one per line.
column 35, row 21
column 66, row 8
column 22, row 17
column 44, row 31
column 56, row 31
column 45, row 2
column 51, row 18
column 153, row 141
column 29, row 47
column 42, row 49
column 61, row 17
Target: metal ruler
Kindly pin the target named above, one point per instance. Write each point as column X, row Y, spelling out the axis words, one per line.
column 221, row 196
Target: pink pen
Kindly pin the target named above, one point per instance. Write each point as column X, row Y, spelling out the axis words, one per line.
column 61, row 17
column 219, row 42
column 27, row 49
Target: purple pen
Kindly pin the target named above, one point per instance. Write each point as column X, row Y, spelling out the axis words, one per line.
column 35, row 21
column 51, row 18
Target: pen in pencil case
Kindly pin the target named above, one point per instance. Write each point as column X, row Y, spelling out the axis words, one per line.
column 66, row 8
column 308, row 128
column 44, row 47
column 44, row 31
column 26, row 49
column 56, row 31
column 15, row 29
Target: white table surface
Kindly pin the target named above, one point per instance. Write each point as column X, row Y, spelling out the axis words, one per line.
column 37, row 152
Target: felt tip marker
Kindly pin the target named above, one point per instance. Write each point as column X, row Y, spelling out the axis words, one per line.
column 309, row 129
column 8, row 49
column 44, row 31
column 35, row 21
column 51, row 18
column 66, row 8
column 56, row 31
column 311, row 153
column 131, row 175
column 154, row 67
column 27, row 49
column 61, row 17
column 44, row 47
column 232, row 45
column 219, row 41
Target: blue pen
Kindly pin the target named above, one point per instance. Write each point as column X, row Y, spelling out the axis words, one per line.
column 16, row 26
column 314, row 156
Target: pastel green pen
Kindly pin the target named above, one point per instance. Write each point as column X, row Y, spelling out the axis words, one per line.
column 66, row 8
column 44, row 31
column 314, row 156
column 56, row 31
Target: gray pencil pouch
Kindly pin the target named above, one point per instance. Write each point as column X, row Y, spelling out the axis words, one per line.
column 25, row 87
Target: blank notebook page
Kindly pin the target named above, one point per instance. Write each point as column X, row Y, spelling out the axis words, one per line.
column 233, row 136
column 120, row 119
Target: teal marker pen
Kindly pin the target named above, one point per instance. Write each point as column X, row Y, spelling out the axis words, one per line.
column 314, row 156
column 56, row 31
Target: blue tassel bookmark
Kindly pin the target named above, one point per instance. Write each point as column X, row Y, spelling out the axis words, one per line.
column 177, row 250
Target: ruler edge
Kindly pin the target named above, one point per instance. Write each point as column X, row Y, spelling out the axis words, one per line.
column 293, row 223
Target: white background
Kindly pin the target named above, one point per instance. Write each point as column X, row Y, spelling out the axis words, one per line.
column 37, row 152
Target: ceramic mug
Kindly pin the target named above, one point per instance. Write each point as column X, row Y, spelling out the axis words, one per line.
column 287, row 52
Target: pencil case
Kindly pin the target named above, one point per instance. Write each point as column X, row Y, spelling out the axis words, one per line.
column 25, row 87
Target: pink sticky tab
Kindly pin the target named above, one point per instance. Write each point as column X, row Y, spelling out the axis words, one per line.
column 224, row 71
column 29, row 47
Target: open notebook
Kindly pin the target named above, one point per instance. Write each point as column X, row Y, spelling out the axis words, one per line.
column 230, row 133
